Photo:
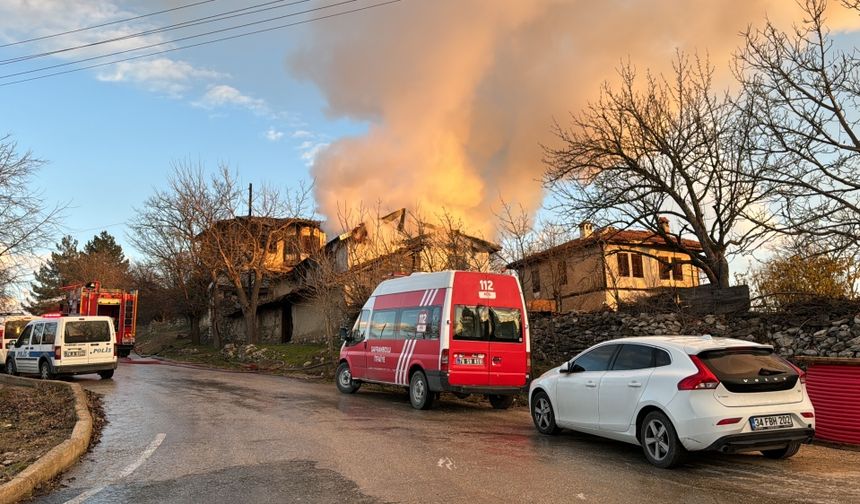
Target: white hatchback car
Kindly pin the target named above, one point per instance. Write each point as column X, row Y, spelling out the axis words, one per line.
column 674, row 394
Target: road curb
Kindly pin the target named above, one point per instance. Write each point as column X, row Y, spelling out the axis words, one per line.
column 60, row 457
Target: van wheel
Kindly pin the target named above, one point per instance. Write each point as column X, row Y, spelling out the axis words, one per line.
column 10, row 367
column 107, row 374
column 498, row 401
column 783, row 453
column 543, row 415
column 419, row 391
column 45, row 371
column 660, row 442
column 344, row 381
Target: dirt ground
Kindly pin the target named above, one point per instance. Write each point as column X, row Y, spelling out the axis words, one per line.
column 32, row 421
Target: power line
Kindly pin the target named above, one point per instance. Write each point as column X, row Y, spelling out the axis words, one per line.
column 176, row 26
column 189, row 37
column 255, row 32
column 126, row 20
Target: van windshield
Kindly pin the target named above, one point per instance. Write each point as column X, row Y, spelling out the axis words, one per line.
column 483, row 323
column 87, row 331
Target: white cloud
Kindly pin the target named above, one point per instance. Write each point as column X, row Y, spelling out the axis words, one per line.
column 310, row 150
column 302, row 134
column 273, row 135
column 24, row 19
column 223, row 95
column 162, row 74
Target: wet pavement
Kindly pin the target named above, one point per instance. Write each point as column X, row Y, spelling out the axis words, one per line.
column 183, row 435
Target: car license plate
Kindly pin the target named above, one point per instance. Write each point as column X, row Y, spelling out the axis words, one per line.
column 75, row 353
column 771, row 422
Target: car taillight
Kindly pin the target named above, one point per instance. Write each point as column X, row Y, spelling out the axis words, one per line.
column 807, row 414
column 704, row 379
column 114, row 350
column 58, row 353
column 528, row 363
column 443, row 362
column 729, row 421
column 801, row 373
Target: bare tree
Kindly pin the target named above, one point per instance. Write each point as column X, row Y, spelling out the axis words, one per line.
column 197, row 230
column 164, row 230
column 664, row 146
column 239, row 248
column 806, row 93
column 26, row 223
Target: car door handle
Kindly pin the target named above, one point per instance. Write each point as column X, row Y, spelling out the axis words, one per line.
column 634, row 384
column 497, row 360
column 591, row 384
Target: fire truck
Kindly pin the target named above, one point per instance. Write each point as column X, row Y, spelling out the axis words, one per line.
column 120, row 305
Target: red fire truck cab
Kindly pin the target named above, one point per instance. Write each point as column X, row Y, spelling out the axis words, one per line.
column 120, row 305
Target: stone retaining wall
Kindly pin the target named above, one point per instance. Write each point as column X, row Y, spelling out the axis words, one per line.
column 808, row 333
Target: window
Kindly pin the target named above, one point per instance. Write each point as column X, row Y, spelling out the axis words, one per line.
column 307, row 244
column 535, row 280
column 90, row 331
column 480, row 323
column 633, row 357
column 471, row 322
column 37, row 334
column 383, row 324
column 359, row 329
column 665, row 268
column 14, row 328
column 623, row 264
column 596, row 360
column 49, row 334
column 506, row 325
column 419, row 323
column 661, row 358
column 636, row 260
column 677, row 270
column 24, row 339
column 562, row 273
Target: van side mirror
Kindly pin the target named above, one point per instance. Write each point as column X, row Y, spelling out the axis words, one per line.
column 344, row 335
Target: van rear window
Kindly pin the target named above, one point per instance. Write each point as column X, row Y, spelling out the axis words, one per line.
column 483, row 323
column 14, row 328
column 87, row 331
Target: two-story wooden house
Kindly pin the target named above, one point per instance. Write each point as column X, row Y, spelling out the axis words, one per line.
column 602, row 268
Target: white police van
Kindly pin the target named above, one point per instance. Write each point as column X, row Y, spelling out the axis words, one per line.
column 51, row 346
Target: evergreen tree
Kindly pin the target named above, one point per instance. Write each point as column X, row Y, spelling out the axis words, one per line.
column 103, row 260
column 52, row 275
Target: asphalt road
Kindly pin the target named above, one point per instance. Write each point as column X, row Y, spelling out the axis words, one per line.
column 185, row 435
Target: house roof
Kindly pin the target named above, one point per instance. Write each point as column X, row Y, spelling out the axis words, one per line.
column 610, row 235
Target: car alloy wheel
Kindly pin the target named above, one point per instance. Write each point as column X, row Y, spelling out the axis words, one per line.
column 543, row 415
column 656, row 439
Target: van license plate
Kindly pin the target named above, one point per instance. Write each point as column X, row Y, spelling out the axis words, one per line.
column 75, row 353
column 771, row 422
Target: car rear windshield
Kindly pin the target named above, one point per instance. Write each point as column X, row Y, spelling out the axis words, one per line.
column 484, row 323
column 87, row 331
column 750, row 369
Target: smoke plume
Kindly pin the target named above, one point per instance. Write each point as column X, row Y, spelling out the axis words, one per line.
column 460, row 95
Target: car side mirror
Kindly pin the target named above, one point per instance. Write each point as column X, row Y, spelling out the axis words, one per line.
column 565, row 368
column 344, row 335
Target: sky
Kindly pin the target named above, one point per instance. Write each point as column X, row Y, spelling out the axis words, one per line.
column 439, row 104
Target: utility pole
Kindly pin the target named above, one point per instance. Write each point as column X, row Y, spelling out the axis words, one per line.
column 250, row 197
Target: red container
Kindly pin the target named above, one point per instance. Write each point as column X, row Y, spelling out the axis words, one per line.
column 834, row 388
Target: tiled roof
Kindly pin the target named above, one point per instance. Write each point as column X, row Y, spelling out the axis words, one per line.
column 608, row 235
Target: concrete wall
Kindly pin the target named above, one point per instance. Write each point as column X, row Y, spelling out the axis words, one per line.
column 309, row 323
